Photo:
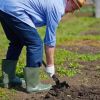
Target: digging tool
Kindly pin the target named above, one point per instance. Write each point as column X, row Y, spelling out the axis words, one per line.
column 59, row 84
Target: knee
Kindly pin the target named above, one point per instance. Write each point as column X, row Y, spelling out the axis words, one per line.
column 39, row 44
column 36, row 45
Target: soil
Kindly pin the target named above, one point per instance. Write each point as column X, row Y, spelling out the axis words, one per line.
column 91, row 32
column 83, row 46
column 84, row 86
column 83, row 49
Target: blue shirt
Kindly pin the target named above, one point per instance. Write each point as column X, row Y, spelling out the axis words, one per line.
column 37, row 13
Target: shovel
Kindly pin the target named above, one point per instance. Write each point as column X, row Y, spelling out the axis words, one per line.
column 59, row 85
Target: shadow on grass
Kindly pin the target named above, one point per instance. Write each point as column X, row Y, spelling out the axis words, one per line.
column 18, row 87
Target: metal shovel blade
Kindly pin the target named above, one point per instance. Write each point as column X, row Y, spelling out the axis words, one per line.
column 59, row 85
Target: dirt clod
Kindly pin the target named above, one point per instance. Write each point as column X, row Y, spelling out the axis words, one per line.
column 74, row 93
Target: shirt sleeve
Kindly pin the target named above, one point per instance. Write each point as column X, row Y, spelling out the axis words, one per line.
column 53, row 17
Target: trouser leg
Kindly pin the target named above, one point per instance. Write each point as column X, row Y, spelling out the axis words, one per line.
column 15, row 46
column 14, row 50
column 31, row 39
column 34, row 51
column 26, row 35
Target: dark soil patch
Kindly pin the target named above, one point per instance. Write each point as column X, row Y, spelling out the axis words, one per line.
column 82, row 49
column 81, row 92
column 83, row 46
column 73, row 93
column 91, row 32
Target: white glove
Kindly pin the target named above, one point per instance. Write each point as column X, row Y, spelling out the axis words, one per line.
column 50, row 69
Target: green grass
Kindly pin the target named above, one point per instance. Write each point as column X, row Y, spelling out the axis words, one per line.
column 63, row 56
column 68, row 30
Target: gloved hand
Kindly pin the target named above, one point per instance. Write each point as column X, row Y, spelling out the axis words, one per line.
column 50, row 69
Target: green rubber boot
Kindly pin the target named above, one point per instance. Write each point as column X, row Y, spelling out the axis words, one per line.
column 8, row 74
column 33, row 82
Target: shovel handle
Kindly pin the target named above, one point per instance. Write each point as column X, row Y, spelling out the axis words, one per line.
column 54, row 76
column 44, row 64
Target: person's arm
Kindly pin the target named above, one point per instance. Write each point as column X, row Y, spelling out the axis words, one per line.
column 50, row 68
column 53, row 18
column 49, row 51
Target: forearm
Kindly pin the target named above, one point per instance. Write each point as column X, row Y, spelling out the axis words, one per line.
column 49, row 51
column 50, row 69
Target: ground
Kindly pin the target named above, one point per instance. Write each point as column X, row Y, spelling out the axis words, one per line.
column 84, row 86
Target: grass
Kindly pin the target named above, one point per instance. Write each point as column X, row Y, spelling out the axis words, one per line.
column 70, row 29
column 71, row 58
column 66, row 32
